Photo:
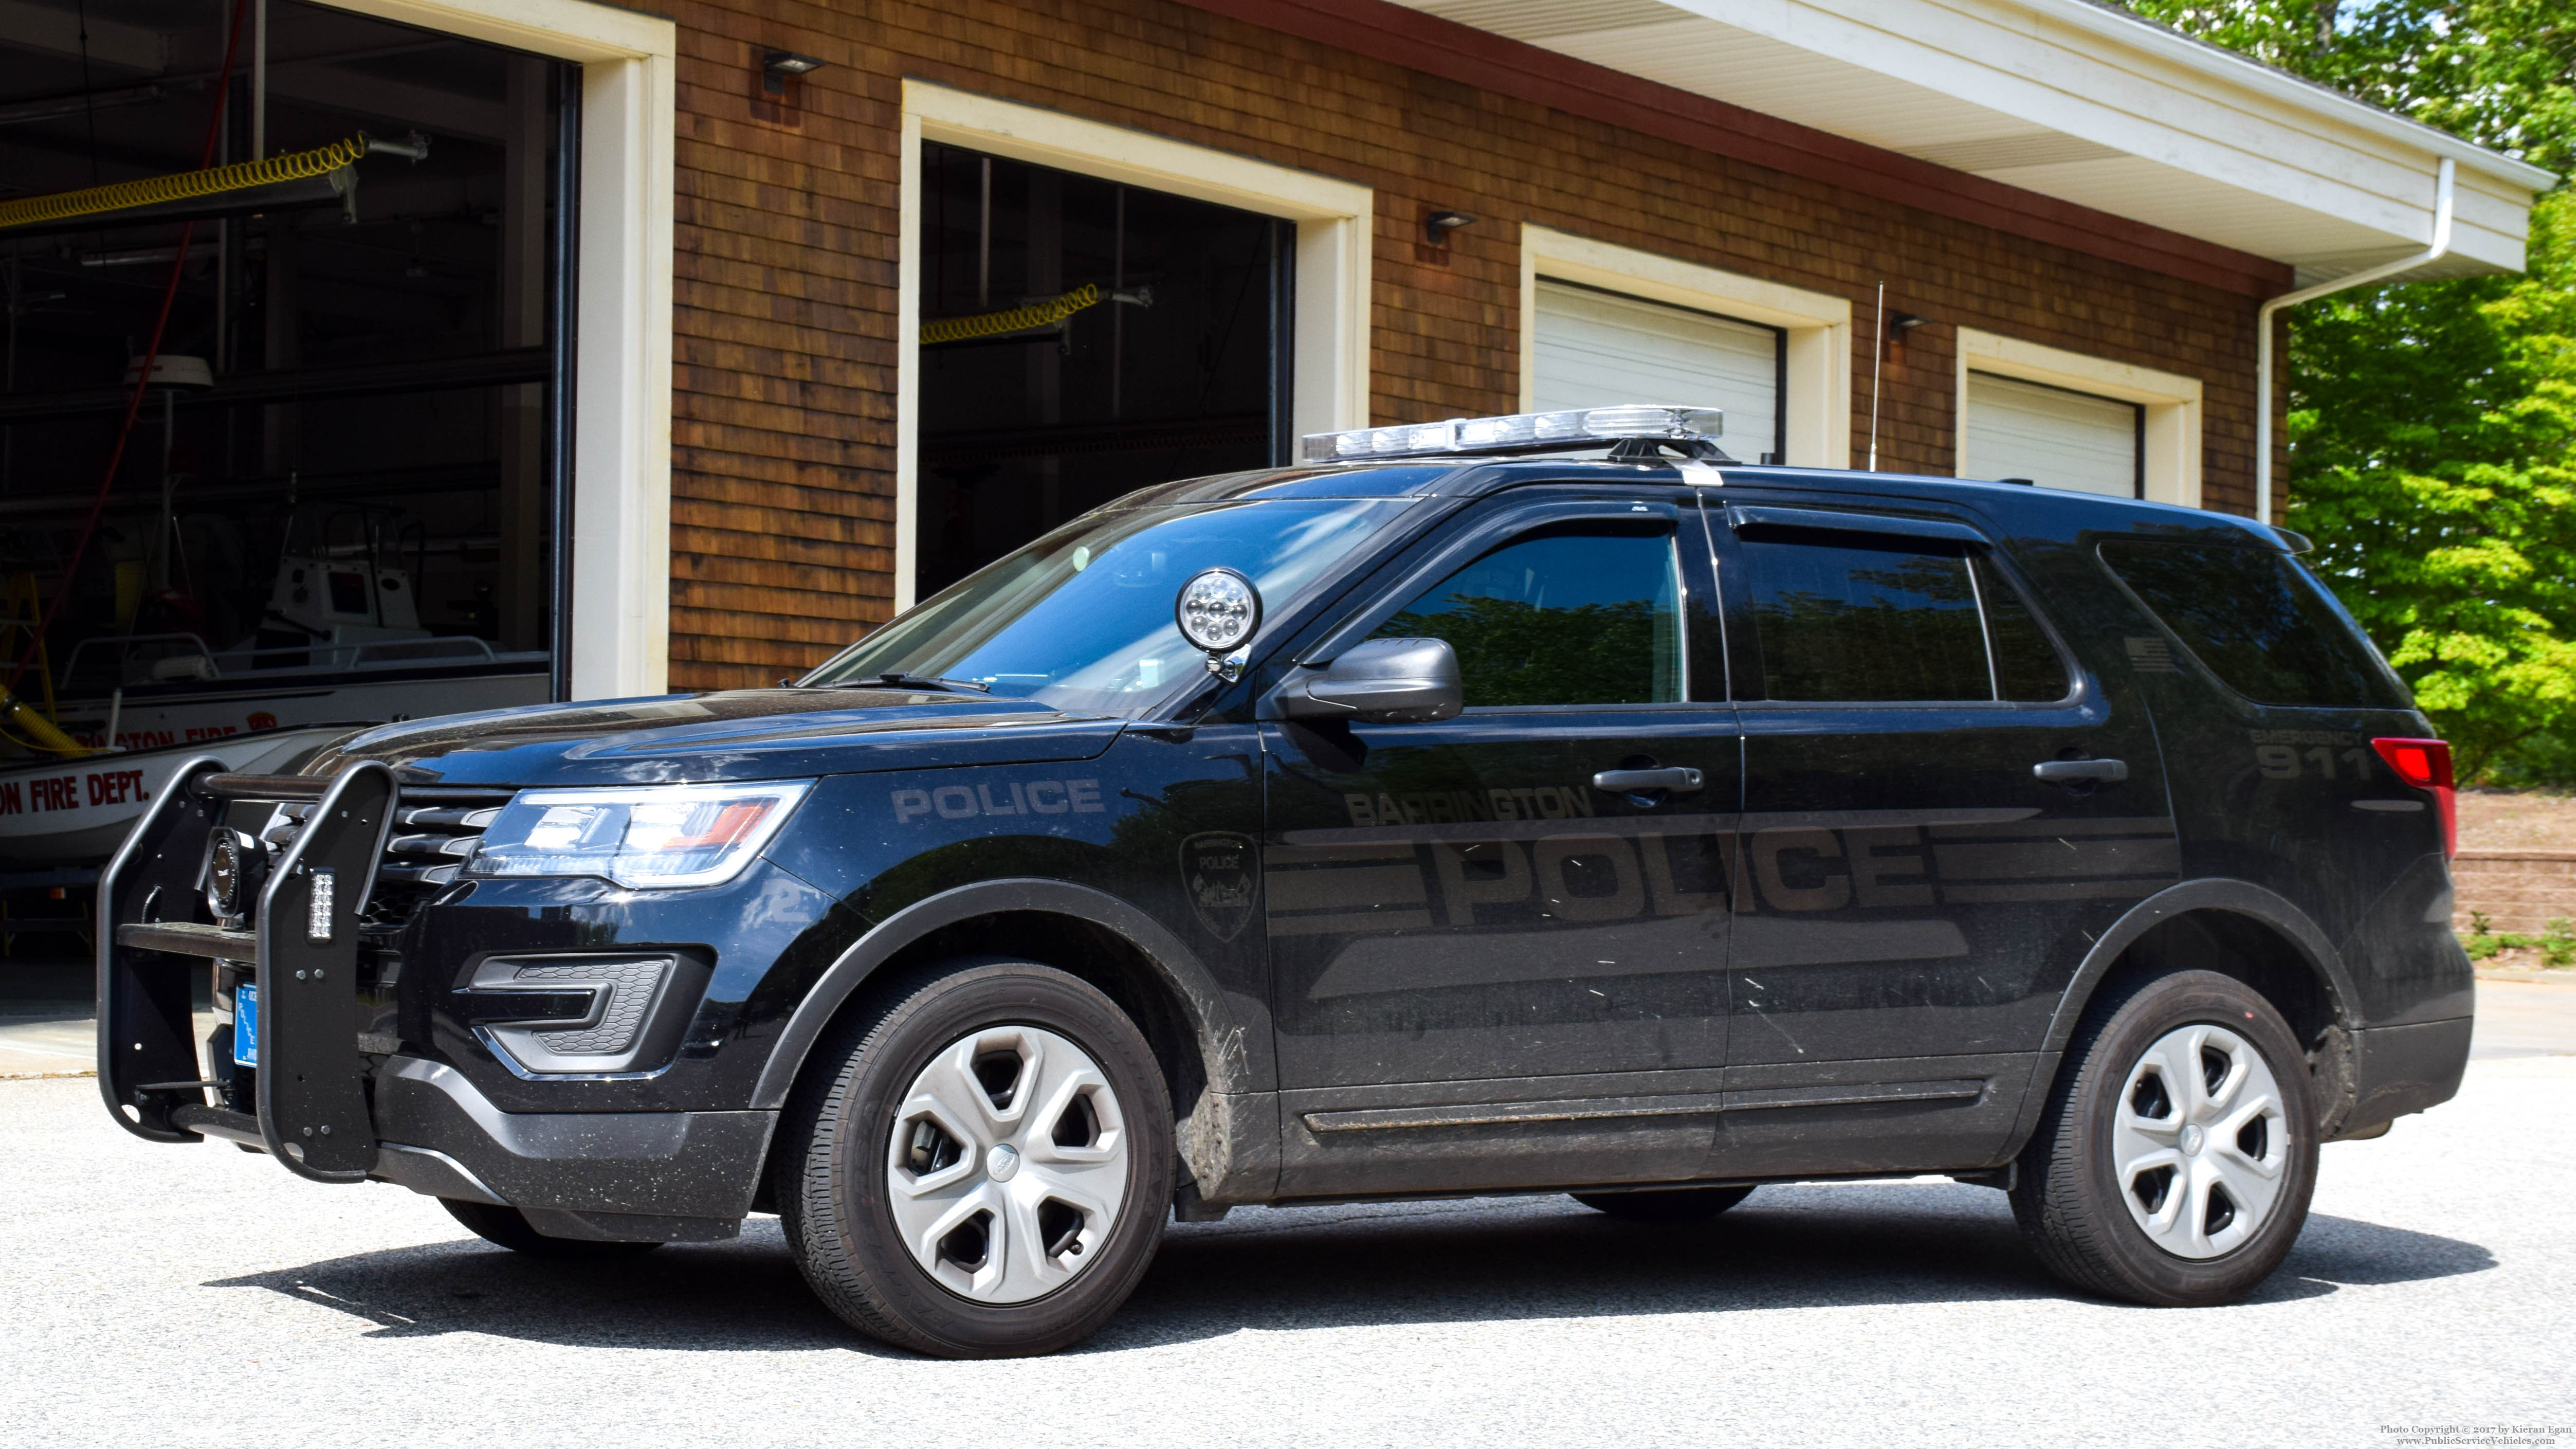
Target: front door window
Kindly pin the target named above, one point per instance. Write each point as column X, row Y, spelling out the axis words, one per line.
column 1579, row 618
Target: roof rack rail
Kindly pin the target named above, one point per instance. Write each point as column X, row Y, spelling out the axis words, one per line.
column 1650, row 427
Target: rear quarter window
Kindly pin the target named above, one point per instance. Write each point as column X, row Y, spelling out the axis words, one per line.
column 2258, row 621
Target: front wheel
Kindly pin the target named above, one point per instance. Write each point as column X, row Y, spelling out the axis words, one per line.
column 2177, row 1151
column 980, row 1167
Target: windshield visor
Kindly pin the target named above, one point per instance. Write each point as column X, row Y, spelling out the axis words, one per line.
column 1082, row 619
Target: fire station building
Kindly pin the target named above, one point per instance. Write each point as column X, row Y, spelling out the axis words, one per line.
column 726, row 333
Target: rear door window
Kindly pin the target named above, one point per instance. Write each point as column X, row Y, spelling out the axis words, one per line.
column 2258, row 621
column 1848, row 618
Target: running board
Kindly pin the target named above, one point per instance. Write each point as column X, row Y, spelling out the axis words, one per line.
column 1673, row 1104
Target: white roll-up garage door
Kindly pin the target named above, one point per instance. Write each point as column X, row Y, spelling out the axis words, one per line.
column 1594, row 348
column 2051, row 436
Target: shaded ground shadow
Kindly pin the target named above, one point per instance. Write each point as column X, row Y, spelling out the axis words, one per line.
column 1409, row 1263
column 744, row 1294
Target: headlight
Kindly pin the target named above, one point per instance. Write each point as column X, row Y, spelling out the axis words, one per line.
column 649, row 838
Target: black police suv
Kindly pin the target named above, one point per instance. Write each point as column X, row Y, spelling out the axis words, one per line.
column 1438, row 817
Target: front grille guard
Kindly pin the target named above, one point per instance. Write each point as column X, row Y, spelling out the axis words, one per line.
column 312, row 1104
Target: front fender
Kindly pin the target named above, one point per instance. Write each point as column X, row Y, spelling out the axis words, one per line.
column 1233, row 1035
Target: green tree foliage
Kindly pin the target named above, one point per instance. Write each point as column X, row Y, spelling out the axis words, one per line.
column 2431, row 425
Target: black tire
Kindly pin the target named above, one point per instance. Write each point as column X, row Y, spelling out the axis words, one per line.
column 2069, row 1201
column 1665, row 1205
column 509, row 1228
column 836, row 1136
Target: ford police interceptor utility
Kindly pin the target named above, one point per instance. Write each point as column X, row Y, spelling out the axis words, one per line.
column 1436, row 817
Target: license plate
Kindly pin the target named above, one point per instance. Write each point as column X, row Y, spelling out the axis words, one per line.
column 246, row 1024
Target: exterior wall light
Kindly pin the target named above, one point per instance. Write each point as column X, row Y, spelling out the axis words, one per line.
column 1437, row 226
column 777, row 65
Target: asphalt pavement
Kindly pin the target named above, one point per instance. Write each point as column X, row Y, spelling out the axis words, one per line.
column 198, row 1294
column 2525, row 1019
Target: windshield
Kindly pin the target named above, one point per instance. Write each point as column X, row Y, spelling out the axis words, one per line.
column 1082, row 618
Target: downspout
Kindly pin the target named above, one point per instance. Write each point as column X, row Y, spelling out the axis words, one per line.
column 2263, row 332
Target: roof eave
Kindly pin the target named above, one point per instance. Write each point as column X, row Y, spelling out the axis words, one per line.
column 2228, row 66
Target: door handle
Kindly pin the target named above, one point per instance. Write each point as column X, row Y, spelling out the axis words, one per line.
column 2068, row 772
column 1680, row 779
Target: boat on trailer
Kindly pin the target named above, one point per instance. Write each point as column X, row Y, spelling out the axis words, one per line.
column 75, row 811
column 190, row 693
column 339, row 648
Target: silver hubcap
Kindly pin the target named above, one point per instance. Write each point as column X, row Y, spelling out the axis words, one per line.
column 2200, row 1141
column 1008, row 1164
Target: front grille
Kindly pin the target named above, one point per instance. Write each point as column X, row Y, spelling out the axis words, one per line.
column 435, row 830
column 431, row 841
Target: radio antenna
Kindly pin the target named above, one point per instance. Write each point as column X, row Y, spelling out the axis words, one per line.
column 1877, row 352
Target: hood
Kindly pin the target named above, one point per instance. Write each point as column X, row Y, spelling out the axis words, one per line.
column 743, row 734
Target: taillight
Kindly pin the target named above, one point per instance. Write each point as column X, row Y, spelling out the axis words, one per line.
column 2426, row 765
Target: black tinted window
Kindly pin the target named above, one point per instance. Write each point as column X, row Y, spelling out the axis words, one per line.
column 2027, row 668
column 2259, row 621
column 1854, row 620
column 1565, row 618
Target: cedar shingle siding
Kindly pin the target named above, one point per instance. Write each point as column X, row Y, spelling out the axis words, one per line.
column 783, row 414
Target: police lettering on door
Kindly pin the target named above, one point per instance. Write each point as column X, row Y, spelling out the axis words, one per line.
column 1469, row 857
column 999, row 798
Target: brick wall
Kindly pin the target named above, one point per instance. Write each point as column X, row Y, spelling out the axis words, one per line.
column 782, row 430
column 2518, row 891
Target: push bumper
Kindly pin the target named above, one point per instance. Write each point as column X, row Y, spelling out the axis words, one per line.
column 302, row 950
column 624, row 1176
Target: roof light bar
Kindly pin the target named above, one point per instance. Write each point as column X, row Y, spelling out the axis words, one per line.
column 1518, row 433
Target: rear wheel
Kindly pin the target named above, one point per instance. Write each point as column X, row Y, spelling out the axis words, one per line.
column 508, row 1227
column 979, row 1168
column 2175, row 1157
column 1665, row 1205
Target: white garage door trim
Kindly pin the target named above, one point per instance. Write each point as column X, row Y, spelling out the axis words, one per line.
column 621, row 460
column 1599, row 347
column 1817, row 386
column 2171, row 450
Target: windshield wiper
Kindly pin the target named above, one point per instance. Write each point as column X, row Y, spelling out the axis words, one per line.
column 910, row 681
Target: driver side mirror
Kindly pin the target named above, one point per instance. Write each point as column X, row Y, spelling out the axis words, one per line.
column 1380, row 681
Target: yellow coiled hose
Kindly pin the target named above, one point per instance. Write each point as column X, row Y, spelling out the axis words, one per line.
column 1018, row 319
column 185, row 186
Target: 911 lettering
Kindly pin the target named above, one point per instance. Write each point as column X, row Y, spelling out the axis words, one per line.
column 997, row 799
column 2286, row 762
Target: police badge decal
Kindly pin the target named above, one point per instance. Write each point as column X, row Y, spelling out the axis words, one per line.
column 1217, row 872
